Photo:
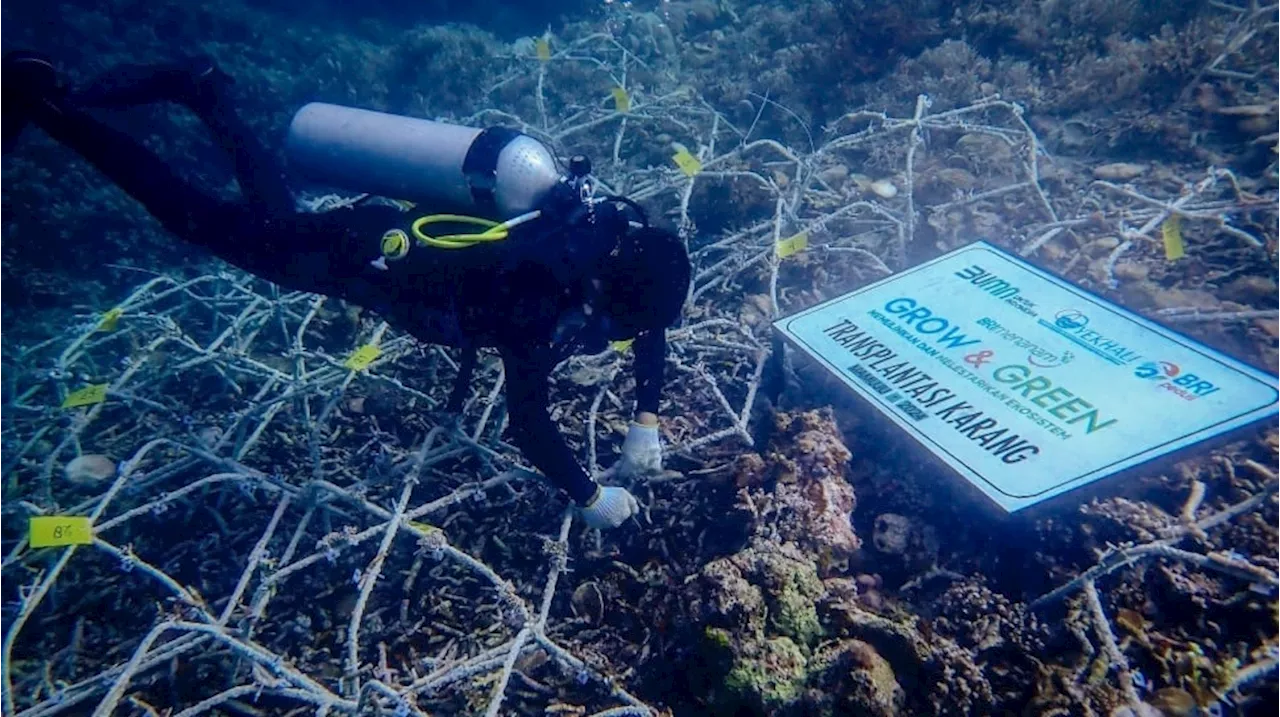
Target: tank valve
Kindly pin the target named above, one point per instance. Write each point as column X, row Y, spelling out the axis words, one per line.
column 579, row 166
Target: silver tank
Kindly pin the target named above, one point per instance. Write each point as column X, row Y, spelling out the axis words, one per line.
column 415, row 159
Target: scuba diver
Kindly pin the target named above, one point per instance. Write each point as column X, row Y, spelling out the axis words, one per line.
column 552, row 269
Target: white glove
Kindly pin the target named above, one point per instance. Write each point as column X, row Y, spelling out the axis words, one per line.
column 610, row 508
column 641, row 452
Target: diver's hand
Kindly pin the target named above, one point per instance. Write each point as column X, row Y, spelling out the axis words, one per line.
column 609, row 507
column 641, row 451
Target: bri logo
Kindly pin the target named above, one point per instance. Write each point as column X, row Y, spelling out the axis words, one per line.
column 1186, row 386
column 1157, row 370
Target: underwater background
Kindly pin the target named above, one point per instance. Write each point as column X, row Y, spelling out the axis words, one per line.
column 277, row 533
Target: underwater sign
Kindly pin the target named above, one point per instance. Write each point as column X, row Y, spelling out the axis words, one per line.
column 1024, row 384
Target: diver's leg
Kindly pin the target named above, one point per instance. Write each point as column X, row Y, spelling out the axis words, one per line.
column 11, row 127
column 201, row 86
column 127, row 85
column 180, row 207
column 302, row 252
column 235, row 232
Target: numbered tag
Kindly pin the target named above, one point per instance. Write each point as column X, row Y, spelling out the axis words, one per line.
column 687, row 163
column 87, row 396
column 1171, row 231
column 543, row 48
column 362, row 357
column 52, row 531
column 621, row 346
column 621, row 100
column 110, row 319
column 792, row 245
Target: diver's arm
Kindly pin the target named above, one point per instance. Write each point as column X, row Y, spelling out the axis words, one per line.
column 650, row 361
column 531, row 425
column 642, row 449
column 462, row 383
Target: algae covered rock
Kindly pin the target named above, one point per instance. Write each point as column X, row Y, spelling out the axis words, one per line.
column 757, row 612
column 767, row 676
column 767, row 587
column 792, row 590
column 851, row 677
column 763, row 674
column 763, row 641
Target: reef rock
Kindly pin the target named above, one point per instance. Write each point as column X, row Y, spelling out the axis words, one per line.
column 852, row 678
column 90, row 469
column 797, row 489
column 906, row 539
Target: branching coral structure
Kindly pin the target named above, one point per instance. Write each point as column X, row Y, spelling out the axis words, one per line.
column 278, row 527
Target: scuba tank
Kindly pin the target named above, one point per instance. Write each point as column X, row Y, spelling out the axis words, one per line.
column 496, row 173
column 497, row 179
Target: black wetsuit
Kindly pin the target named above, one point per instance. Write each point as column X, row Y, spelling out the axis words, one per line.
column 495, row 296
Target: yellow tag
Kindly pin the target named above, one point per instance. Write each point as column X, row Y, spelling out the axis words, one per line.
column 362, row 357
column 688, row 163
column 543, row 48
column 110, row 319
column 792, row 245
column 87, row 396
column 425, row 527
column 1171, row 230
column 621, row 99
column 52, row 531
column 621, row 346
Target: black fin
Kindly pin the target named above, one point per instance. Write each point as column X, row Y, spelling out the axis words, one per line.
column 10, row 127
column 28, row 78
column 30, row 74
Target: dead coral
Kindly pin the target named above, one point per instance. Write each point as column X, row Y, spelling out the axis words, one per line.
column 726, row 598
column 981, row 620
column 997, row 630
column 1126, row 519
column 442, row 68
column 939, row 676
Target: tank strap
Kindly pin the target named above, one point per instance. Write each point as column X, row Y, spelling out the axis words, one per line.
column 481, row 165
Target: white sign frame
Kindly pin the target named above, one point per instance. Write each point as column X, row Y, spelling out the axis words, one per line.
column 1147, row 391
